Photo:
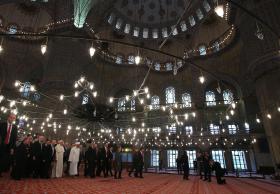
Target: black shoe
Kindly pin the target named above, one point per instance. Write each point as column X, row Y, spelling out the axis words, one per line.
column 209, row 180
column 141, row 177
column 204, row 179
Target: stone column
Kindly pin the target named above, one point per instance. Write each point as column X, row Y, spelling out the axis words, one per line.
column 260, row 61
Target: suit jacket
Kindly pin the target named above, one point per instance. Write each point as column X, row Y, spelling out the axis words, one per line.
column 91, row 155
column 3, row 134
column 39, row 153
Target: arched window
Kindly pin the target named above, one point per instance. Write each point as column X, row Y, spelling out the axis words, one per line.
column 172, row 128
column 26, row 89
column 157, row 66
column 119, row 59
column 131, row 59
column 214, row 129
column 170, row 95
column 227, row 96
column 155, row 102
column 168, row 66
column 216, row 46
column 232, row 129
column 36, row 96
column 186, row 100
column 121, row 104
column 189, row 130
column 210, row 98
column 202, row 49
column 12, row 29
column 85, row 99
column 132, row 103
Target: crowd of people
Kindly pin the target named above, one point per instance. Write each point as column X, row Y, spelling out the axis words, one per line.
column 204, row 165
column 44, row 158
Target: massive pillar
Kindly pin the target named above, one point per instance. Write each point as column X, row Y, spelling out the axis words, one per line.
column 261, row 61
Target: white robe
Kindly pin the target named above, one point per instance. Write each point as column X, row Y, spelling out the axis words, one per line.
column 59, row 150
column 74, row 159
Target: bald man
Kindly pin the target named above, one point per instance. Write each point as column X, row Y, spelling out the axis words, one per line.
column 8, row 137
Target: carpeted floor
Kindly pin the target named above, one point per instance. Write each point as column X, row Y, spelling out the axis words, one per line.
column 152, row 183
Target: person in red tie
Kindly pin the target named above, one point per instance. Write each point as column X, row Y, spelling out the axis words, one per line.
column 8, row 137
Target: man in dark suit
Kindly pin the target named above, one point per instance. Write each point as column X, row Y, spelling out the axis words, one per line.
column 134, row 163
column 39, row 156
column 140, row 162
column 206, row 166
column 185, row 165
column 8, row 137
column 91, row 158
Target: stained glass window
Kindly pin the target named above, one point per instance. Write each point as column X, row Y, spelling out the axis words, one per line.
column 186, row 100
column 155, row 102
column 171, row 158
column 26, row 89
column 202, row 49
column 131, row 59
column 85, row 99
column 227, row 96
column 154, row 158
column 210, row 98
column 239, row 160
column 132, row 104
column 218, row 156
column 172, row 128
column 192, row 157
column 189, row 130
column 121, row 104
column 214, row 129
column 170, row 95
column 232, row 129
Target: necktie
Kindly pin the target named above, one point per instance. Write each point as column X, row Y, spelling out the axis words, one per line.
column 7, row 139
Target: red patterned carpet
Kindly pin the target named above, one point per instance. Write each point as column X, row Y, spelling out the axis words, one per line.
column 152, row 183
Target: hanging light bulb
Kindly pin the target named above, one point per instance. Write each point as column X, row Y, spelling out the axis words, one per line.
column 219, row 10
column 146, row 89
column 278, row 109
column 135, row 93
column 141, row 101
column 126, row 97
column 91, row 86
column 201, row 79
column 12, row 103
column 32, row 88
column 24, row 103
column 43, row 49
column 76, row 85
column 1, row 49
column 111, row 99
column 76, row 94
column 17, row 83
column 268, row 116
column 233, row 105
column 232, row 112
column 227, row 117
column 148, row 96
column 65, row 111
column 94, row 94
column 92, row 51
column 82, row 79
column 133, row 119
column 1, row 98
column 137, row 59
column 61, row 97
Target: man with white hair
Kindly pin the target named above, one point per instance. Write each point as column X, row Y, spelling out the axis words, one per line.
column 59, row 153
column 74, row 159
